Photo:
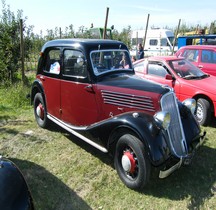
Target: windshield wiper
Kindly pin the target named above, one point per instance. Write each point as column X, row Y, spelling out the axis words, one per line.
column 191, row 77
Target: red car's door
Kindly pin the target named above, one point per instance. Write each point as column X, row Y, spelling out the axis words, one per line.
column 78, row 103
column 207, row 60
column 160, row 73
column 50, row 80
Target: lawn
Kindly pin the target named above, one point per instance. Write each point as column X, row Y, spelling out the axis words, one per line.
column 65, row 173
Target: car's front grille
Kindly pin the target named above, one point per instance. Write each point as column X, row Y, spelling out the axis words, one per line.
column 175, row 131
column 128, row 100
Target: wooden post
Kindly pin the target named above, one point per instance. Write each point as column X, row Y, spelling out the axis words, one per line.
column 176, row 34
column 144, row 38
column 22, row 51
column 105, row 26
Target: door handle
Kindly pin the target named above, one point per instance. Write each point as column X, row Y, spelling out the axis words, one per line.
column 89, row 88
column 200, row 66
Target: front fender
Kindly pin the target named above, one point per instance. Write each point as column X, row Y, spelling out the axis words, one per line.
column 140, row 124
column 36, row 87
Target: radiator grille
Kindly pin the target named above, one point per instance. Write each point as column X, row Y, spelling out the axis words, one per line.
column 175, row 131
column 128, row 100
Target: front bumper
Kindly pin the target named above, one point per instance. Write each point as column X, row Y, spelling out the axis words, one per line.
column 183, row 160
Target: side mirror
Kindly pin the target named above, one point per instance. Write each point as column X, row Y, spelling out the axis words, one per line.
column 169, row 77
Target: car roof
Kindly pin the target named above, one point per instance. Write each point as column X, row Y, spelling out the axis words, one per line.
column 165, row 58
column 197, row 47
column 82, row 42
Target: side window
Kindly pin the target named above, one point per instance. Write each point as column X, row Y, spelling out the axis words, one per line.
column 153, row 42
column 157, row 70
column 191, row 55
column 52, row 61
column 139, row 67
column 73, row 63
column 207, row 56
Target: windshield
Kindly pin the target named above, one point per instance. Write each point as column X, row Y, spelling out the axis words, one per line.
column 186, row 69
column 104, row 61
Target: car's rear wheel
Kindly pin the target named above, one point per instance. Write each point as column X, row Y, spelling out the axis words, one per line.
column 131, row 162
column 203, row 112
column 40, row 111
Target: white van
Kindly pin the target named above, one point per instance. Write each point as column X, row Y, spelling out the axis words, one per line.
column 158, row 42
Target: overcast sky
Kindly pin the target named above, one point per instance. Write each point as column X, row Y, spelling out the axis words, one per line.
column 48, row 14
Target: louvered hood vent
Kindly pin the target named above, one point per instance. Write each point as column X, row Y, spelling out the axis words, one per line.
column 128, row 100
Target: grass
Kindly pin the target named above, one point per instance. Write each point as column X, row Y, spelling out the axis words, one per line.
column 64, row 173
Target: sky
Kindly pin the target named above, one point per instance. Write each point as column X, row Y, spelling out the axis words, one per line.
column 48, row 14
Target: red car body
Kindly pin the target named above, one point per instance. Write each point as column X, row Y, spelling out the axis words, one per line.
column 202, row 56
column 191, row 82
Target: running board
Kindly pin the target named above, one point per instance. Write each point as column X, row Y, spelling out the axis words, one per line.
column 64, row 125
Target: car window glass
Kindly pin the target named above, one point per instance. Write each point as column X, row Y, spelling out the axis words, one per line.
column 164, row 42
column 73, row 63
column 52, row 61
column 104, row 61
column 153, row 42
column 191, row 55
column 208, row 56
column 139, row 67
column 156, row 69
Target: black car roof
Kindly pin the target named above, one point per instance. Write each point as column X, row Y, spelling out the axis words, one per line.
column 85, row 43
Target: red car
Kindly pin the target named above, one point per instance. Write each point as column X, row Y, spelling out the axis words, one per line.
column 89, row 88
column 187, row 80
column 202, row 56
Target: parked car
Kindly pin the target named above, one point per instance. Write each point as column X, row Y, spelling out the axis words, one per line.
column 14, row 191
column 187, row 80
column 89, row 88
column 202, row 56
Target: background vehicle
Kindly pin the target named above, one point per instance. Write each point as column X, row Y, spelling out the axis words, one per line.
column 14, row 191
column 158, row 41
column 186, row 79
column 202, row 56
column 89, row 88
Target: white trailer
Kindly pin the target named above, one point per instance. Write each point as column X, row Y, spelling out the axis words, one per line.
column 158, row 42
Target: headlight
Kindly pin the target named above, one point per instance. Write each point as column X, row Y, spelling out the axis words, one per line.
column 191, row 104
column 163, row 119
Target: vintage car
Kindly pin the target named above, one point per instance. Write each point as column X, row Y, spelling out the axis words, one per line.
column 89, row 88
column 202, row 56
column 14, row 191
column 187, row 80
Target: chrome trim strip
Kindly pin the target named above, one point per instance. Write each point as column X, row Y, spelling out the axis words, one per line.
column 69, row 129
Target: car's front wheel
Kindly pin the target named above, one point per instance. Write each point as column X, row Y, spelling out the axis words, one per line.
column 203, row 112
column 131, row 162
column 40, row 111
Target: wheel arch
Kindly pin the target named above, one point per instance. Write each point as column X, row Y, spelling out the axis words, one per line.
column 37, row 87
column 196, row 97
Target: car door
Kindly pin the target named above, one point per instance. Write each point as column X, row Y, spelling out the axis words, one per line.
column 50, row 79
column 159, row 72
column 78, row 103
column 207, row 61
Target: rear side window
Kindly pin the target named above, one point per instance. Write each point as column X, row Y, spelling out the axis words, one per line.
column 153, row 42
column 52, row 61
column 191, row 55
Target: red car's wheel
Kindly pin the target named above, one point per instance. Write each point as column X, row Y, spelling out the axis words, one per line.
column 203, row 112
column 40, row 111
column 131, row 162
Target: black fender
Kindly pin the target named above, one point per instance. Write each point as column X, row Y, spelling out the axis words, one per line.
column 37, row 87
column 14, row 191
column 140, row 124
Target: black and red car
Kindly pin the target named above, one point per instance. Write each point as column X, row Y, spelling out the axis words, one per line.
column 89, row 88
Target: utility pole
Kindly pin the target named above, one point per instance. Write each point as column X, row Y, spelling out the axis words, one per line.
column 105, row 26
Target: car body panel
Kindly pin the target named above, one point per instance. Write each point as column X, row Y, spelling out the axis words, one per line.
column 202, row 56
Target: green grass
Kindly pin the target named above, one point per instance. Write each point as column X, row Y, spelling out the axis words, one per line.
column 66, row 174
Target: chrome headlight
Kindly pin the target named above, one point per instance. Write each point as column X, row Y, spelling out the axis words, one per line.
column 163, row 119
column 191, row 104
